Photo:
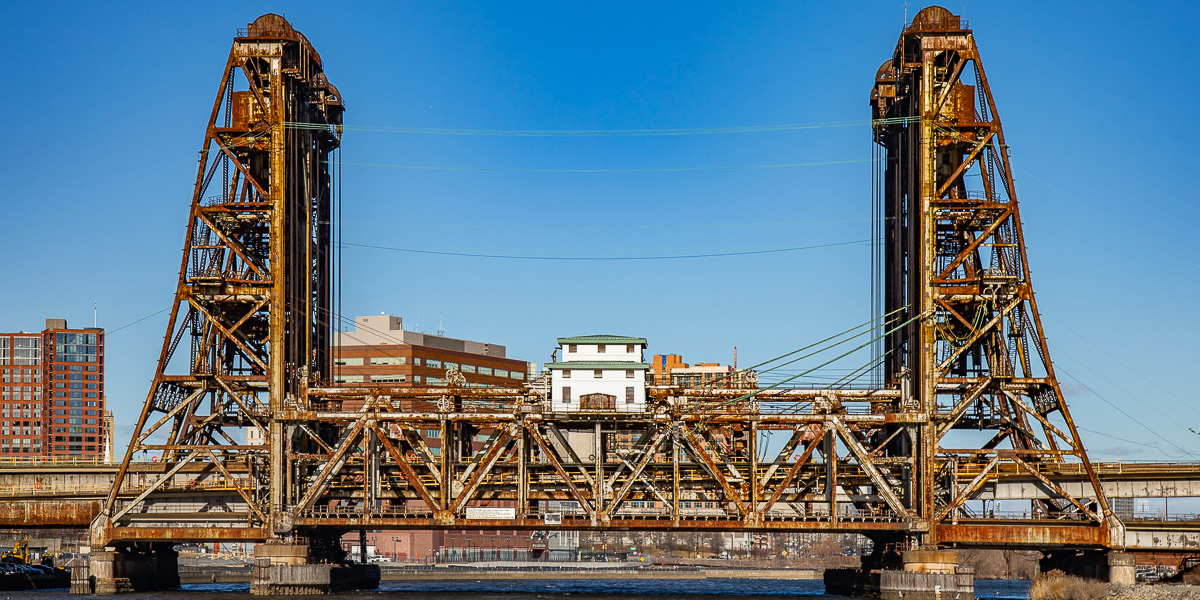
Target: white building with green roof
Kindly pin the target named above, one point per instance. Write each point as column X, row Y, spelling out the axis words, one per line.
column 602, row 373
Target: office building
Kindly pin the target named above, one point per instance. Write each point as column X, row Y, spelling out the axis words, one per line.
column 378, row 350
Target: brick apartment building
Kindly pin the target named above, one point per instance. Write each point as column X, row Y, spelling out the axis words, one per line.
column 52, row 400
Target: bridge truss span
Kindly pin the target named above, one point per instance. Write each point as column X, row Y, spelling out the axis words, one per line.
column 256, row 443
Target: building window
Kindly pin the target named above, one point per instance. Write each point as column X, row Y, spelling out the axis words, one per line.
column 566, row 373
column 416, row 379
column 567, row 394
column 629, row 348
column 629, row 395
column 348, row 379
column 598, row 374
column 348, row 361
column 451, row 365
column 388, row 378
column 485, row 370
column 500, row 373
column 628, row 373
column 600, row 349
column 468, row 368
column 572, row 348
column 516, row 375
column 437, row 364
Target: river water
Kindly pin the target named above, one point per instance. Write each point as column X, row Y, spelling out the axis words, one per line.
column 564, row 589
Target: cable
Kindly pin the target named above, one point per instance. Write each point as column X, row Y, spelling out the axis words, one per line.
column 1107, row 217
column 1134, row 442
column 1127, row 415
column 132, row 323
column 852, row 376
column 408, row 225
column 644, row 170
column 829, row 347
column 1152, row 382
column 605, row 132
column 597, row 258
column 832, row 360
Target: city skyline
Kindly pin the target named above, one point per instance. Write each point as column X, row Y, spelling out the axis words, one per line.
column 478, row 68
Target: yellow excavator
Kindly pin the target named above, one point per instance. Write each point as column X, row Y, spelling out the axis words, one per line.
column 19, row 554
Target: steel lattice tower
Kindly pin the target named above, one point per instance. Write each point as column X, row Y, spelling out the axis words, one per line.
column 974, row 355
column 255, row 291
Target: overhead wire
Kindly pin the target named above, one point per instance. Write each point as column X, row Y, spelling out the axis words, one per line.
column 613, row 170
column 1152, row 382
column 605, row 132
column 602, row 258
column 1127, row 415
column 1134, row 442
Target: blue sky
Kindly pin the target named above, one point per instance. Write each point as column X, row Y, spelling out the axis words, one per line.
column 107, row 105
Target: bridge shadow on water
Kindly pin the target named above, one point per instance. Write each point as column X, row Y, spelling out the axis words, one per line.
column 564, row 589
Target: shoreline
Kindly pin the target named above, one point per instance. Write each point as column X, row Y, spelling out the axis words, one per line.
column 242, row 574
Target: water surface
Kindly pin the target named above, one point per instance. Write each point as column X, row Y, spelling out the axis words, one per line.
column 561, row 589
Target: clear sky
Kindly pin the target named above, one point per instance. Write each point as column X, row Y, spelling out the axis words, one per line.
column 106, row 105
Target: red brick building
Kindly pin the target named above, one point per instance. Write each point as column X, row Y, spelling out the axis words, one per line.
column 379, row 350
column 52, row 400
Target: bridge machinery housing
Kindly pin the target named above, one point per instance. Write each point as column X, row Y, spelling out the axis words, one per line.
column 252, row 442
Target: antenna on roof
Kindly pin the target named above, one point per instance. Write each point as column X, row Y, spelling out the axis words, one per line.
column 440, row 331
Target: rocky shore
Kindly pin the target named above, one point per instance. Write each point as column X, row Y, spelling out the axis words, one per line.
column 1155, row 592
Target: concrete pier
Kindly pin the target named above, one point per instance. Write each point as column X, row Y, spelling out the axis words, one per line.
column 136, row 568
column 924, row 575
column 288, row 570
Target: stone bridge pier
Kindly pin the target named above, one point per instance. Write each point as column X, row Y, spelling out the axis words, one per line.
column 291, row 568
column 138, row 567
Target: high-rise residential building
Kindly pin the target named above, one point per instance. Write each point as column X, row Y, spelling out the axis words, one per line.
column 53, row 402
column 21, row 402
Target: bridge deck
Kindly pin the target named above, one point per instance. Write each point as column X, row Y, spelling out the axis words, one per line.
column 41, row 495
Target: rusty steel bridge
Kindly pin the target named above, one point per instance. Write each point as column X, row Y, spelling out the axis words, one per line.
column 248, row 348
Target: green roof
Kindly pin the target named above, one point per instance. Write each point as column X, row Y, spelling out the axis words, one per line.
column 598, row 364
column 601, row 339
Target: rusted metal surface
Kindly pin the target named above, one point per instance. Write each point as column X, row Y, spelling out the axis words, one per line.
column 1023, row 535
column 954, row 263
column 254, row 304
column 56, row 514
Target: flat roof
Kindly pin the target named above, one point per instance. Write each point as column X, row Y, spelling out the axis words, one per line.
column 602, row 339
column 598, row 364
